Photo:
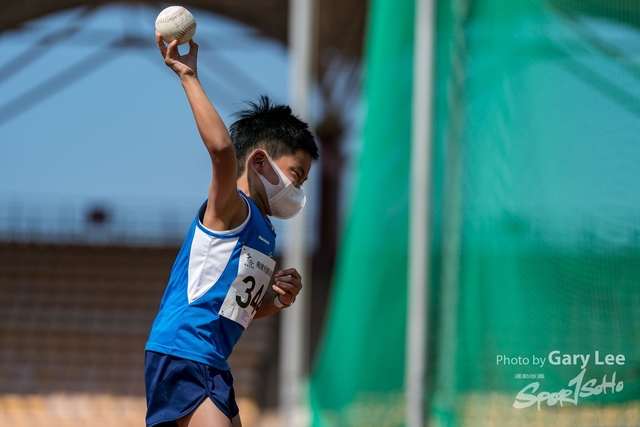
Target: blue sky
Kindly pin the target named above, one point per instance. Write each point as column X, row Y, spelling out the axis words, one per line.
column 121, row 135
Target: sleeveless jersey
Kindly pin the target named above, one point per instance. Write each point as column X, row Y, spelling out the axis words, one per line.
column 216, row 285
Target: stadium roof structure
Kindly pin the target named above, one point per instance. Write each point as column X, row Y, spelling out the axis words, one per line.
column 341, row 22
column 339, row 45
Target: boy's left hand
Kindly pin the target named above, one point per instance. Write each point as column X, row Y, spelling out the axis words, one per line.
column 288, row 284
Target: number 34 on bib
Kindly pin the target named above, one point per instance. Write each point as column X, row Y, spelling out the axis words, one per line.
column 249, row 288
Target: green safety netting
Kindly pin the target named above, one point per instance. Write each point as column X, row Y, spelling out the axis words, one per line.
column 534, row 316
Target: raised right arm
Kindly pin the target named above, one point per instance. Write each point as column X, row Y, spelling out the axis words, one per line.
column 225, row 207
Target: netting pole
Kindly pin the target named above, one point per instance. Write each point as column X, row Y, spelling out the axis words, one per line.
column 419, row 221
column 294, row 329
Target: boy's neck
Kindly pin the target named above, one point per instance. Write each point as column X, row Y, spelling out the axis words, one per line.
column 243, row 185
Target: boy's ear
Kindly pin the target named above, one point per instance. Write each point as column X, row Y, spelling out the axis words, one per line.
column 257, row 160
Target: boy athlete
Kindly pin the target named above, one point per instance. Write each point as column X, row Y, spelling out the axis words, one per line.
column 224, row 275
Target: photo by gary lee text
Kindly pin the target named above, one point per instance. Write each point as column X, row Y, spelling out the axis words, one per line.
column 556, row 357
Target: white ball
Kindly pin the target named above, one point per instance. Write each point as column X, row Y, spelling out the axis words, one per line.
column 176, row 23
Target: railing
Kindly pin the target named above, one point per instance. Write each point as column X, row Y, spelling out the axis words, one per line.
column 73, row 221
column 127, row 221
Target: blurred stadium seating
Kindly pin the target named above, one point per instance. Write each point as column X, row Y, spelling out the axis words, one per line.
column 74, row 322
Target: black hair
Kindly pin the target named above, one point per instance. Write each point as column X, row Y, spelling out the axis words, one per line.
column 271, row 127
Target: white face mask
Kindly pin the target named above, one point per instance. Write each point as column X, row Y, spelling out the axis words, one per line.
column 285, row 200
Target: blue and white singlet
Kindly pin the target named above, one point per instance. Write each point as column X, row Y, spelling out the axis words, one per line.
column 217, row 284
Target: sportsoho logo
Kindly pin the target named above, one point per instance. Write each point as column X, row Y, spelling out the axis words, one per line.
column 577, row 388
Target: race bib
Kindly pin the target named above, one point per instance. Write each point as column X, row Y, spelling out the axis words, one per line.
column 249, row 288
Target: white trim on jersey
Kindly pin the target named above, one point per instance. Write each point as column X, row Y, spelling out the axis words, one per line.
column 210, row 253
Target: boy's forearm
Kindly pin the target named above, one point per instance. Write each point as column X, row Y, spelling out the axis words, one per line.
column 267, row 308
column 212, row 129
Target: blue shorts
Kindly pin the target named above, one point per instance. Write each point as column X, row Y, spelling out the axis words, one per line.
column 175, row 387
